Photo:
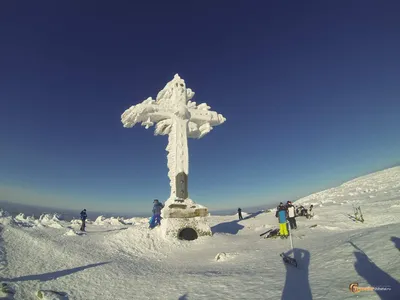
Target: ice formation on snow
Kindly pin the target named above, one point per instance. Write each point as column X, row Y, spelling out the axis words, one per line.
column 71, row 232
column 101, row 220
column 4, row 213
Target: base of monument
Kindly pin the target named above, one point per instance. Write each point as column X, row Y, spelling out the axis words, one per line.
column 187, row 208
column 185, row 228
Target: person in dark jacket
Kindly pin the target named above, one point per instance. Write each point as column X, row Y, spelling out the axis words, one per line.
column 158, row 206
column 310, row 214
column 281, row 214
column 83, row 218
column 240, row 213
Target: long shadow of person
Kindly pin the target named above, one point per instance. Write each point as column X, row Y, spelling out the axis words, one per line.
column 376, row 277
column 396, row 242
column 232, row 227
column 297, row 285
column 56, row 274
column 183, row 297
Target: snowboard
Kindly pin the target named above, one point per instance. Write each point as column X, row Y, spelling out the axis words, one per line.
column 289, row 260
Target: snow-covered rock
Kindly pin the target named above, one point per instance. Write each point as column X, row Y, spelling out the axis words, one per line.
column 181, row 227
column 4, row 213
column 101, row 220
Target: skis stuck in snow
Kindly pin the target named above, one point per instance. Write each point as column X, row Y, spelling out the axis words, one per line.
column 6, row 291
column 358, row 216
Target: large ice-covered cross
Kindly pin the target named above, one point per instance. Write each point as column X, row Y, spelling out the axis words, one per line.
column 179, row 118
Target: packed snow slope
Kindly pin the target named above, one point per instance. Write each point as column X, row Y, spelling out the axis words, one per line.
column 122, row 259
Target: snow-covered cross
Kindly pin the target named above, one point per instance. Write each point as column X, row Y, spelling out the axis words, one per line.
column 177, row 116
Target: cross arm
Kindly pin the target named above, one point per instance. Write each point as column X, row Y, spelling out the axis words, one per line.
column 202, row 120
column 147, row 112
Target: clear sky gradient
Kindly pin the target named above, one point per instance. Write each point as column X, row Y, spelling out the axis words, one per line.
column 310, row 90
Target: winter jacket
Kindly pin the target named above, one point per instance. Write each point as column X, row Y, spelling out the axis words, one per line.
column 291, row 211
column 157, row 208
column 282, row 216
column 83, row 215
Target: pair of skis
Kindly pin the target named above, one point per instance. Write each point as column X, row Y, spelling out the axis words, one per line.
column 286, row 258
column 358, row 214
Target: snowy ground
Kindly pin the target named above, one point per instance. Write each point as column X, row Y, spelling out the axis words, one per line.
column 128, row 261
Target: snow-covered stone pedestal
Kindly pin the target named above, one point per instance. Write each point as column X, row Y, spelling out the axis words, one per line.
column 185, row 228
column 183, row 209
column 184, row 219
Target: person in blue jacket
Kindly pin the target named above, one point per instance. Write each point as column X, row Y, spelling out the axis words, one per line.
column 157, row 207
column 281, row 214
column 83, row 218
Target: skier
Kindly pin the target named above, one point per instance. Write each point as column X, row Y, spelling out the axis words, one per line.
column 281, row 214
column 240, row 213
column 303, row 211
column 297, row 210
column 291, row 215
column 158, row 206
column 83, row 218
column 309, row 215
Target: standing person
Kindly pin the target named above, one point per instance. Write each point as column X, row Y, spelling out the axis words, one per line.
column 158, row 206
column 291, row 215
column 240, row 213
column 310, row 214
column 83, row 218
column 281, row 214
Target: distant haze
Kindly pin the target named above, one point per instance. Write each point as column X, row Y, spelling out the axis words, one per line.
column 30, row 210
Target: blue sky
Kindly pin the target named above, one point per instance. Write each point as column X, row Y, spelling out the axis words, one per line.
column 310, row 91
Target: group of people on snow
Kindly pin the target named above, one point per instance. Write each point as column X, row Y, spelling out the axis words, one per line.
column 286, row 213
column 302, row 211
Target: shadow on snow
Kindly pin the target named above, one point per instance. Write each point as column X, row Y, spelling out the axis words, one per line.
column 375, row 276
column 232, row 227
column 396, row 242
column 297, row 285
column 54, row 275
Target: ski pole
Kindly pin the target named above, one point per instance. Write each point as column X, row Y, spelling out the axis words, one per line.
column 290, row 236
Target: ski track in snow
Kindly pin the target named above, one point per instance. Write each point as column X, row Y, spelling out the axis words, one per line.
column 117, row 261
